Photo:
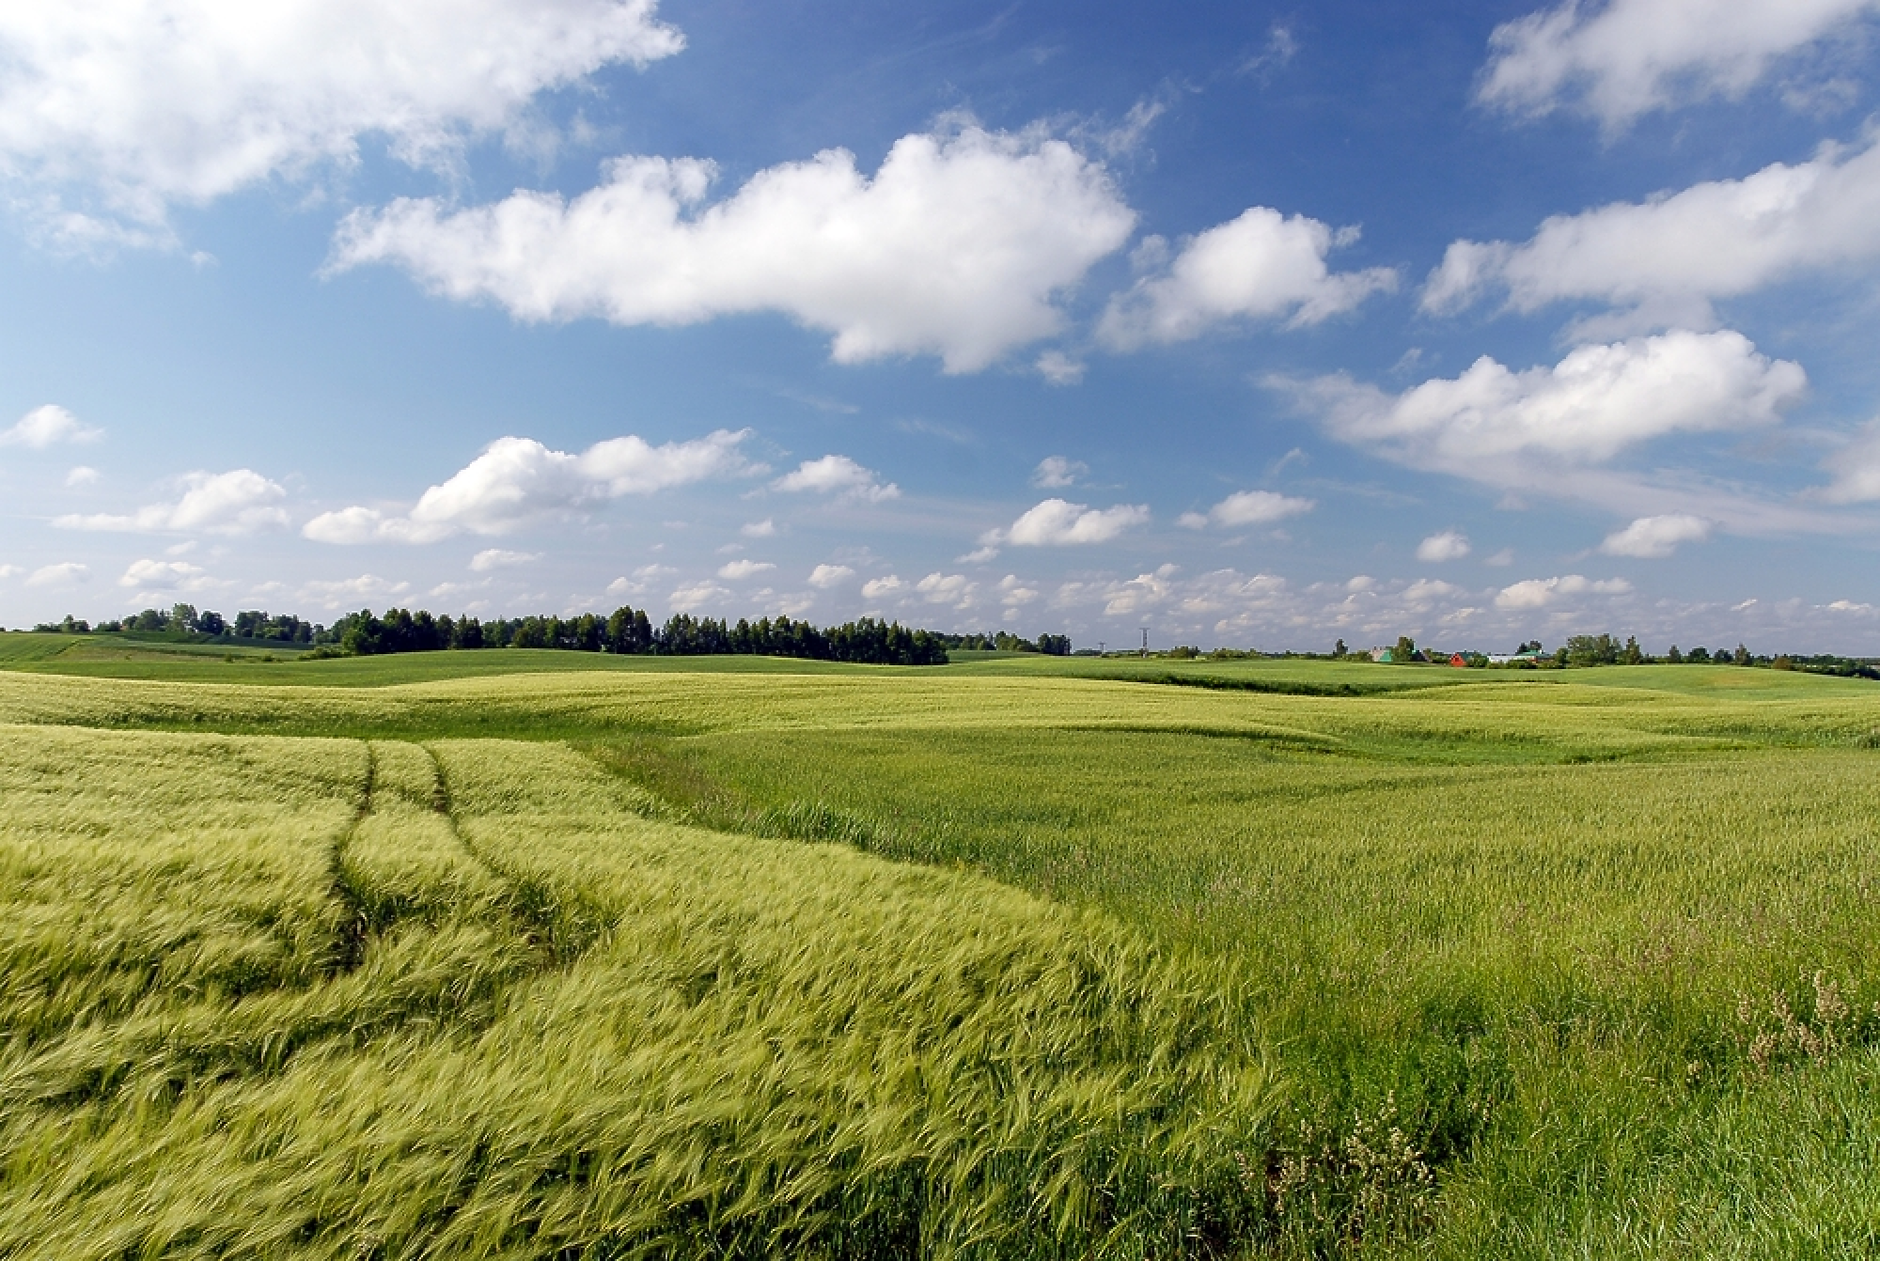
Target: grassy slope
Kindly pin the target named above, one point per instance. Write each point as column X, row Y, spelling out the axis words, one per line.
column 1296, row 676
column 147, row 657
column 131, row 657
column 59, row 651
column 1517, row 917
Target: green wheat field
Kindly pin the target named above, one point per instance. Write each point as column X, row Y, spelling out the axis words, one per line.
column 542, row 954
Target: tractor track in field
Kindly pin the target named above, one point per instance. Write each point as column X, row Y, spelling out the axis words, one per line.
column 355, row 926
column 536, row 909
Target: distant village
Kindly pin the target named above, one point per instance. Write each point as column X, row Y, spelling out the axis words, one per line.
column 1578, row 651
column 1607, row 650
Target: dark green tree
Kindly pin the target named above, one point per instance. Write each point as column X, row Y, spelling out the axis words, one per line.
column 1592, row 650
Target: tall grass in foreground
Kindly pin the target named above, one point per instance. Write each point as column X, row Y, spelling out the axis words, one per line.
column 136, row 865
column 543, row 1025
column 1537, row 1007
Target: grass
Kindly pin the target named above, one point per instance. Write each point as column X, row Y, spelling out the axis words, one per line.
column 1011, row 958
column 468, row 1000
column 1285, row 676
column 1489, row 953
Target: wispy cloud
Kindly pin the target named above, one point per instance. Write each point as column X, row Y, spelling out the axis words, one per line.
column 1055, row 472
column 498, row 558
column 64, row 574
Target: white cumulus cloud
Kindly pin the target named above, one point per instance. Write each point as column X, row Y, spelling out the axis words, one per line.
column 838, row 475
column 1448, row 545
column 517, row 481
column 1427, row 591
column 737, row 570
column 166, row 575
column 1262, row 265
column 240, row 501
column 44, row 426
column 1248, row 507
column 824, row 577
column 1618, row 60
column 1507, row 427
column 113, row 111
column 695, row 595
column 642, row 580
column 1127, row 598
column 1059, row 523
column 876, row 588
column 1653, row 538
column 1664, row 260
column 1014, row 593
column 1538, row 593
column 958, row 246
column 952, row 589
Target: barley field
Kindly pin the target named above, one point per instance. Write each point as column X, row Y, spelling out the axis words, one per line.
column 540, row 954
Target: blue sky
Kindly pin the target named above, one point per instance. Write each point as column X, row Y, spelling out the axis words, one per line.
column 1253, row 324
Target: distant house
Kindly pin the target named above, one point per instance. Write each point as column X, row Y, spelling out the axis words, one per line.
column 1384, row 655
column 1456, row 659
column 1512, row 658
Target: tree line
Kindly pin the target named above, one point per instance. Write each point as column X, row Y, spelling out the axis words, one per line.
column 1608, row 650
column 629, row 631
column 626, row 630
column 184, row 621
